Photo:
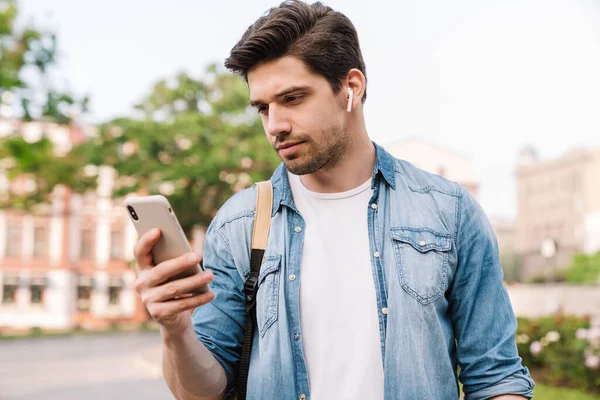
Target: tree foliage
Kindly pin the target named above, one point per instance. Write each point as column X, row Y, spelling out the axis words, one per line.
column 30, row 52
column 34, row 168
column 585, row 269
column 194, row 140
column 197, row 142
column 38, row 169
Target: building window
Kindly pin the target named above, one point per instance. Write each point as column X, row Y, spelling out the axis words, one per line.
column 37, row 288
column 115, row 286
column 86, row 244
column 40, row 242
column 10, row 286
column 85, row 284
column 116, row 245
column 13, row 240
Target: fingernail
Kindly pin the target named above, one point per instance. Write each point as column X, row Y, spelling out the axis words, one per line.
column 193, row 258
column 155, row 232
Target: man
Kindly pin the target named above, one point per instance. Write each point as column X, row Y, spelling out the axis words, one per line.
column 378, row 280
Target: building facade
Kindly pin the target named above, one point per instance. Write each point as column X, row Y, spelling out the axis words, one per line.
column 438, row 160
column 558, row 209
column 69, row 264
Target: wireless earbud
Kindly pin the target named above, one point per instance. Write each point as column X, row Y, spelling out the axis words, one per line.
column 350, row 99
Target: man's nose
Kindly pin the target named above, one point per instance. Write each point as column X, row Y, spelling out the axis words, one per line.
column 277, row 122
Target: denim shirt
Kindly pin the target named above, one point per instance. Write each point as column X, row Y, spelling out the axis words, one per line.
column 440, row 299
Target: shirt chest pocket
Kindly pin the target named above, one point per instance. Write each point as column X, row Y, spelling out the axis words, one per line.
column 422, row 261
column 267, row 297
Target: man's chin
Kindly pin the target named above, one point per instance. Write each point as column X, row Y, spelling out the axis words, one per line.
column 297, row 168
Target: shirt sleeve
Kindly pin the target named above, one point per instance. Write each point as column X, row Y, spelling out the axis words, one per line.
column 482, row 316
column 219, row 324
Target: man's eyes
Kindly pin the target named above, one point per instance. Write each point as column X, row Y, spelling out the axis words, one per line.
column 262, row 109
column 293, row 99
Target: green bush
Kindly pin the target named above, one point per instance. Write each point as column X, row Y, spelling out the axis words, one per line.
column 585, row 269
column 562, row 351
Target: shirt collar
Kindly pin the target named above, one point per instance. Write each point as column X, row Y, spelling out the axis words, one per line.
column 282, row 193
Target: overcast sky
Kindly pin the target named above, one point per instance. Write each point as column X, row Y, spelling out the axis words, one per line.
column 477, row 76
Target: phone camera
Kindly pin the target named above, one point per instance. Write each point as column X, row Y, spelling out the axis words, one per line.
column 132, row 212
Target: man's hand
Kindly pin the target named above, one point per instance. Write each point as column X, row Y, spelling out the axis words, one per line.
column 169, row 304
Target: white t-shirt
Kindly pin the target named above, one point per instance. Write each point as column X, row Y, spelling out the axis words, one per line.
column 338, row 305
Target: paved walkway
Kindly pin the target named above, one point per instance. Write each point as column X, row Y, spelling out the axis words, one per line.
column 91, row 367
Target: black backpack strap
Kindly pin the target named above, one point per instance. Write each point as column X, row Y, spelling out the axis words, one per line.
column 260, row 235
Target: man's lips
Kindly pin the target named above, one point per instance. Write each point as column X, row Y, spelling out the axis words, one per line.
column 286, row 149
column 287, row 145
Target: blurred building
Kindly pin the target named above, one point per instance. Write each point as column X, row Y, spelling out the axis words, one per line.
column 69, row 263
column 558, row 208
column 506, row 234
column 438, row 160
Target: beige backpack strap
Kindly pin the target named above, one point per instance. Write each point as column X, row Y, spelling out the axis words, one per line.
column 260, row 234
column 262, row 220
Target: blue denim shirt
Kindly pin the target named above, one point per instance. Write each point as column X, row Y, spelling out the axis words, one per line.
column 437, row 274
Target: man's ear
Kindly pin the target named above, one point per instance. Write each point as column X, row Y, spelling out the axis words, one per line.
column 356, row 81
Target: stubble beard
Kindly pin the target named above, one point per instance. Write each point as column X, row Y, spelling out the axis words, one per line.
column 316, row 157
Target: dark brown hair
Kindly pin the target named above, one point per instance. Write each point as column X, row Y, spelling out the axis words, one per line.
column 324, row 39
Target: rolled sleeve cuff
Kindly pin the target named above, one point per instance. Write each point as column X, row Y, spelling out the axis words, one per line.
column 518, row 384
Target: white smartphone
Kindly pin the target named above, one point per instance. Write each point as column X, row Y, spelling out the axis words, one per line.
column 149, row 212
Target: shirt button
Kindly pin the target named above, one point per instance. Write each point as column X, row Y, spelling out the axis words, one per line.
column 296, row 336
column 292, row 277
column 376, row 254
column 302, row 397
column 298, row 229
column 422, row 243
column 374, row 206
column 384, row 310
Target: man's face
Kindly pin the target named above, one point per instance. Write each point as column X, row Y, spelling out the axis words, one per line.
column 303, row 119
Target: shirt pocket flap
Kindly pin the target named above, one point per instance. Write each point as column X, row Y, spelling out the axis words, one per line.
column 422, row 239
column 269, row 265
column 267, row 297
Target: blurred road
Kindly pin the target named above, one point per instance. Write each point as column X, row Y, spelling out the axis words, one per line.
column 117, row 367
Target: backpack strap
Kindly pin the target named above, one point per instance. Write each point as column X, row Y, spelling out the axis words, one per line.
column 260, row 235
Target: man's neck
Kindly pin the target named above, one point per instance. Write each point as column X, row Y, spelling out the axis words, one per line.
column 355, row 168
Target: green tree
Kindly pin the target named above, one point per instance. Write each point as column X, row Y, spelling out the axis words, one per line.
column 196, row 141
column 585, row 269
column 30, row 52
column 39, row 170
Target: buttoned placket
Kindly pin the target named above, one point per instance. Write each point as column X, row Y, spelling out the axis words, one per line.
column 377, row 265
column 296, row 223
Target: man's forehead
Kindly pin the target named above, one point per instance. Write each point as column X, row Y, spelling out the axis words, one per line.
column 269, row 78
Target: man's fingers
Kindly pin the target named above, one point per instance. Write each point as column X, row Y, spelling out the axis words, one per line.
column 178, row 288
column 167, row 309
column 142, row 250
column 166, row 269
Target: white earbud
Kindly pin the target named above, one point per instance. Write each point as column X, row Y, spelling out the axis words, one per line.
column 350, row 99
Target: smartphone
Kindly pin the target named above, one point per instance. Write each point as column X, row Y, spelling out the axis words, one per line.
column 149, row 212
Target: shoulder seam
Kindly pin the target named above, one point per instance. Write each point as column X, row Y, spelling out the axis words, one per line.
column 457, row 216
column 230, row 219
column 430, row 188
column 235, row 217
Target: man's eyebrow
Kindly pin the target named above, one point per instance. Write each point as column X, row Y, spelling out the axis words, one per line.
column 284, row 92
